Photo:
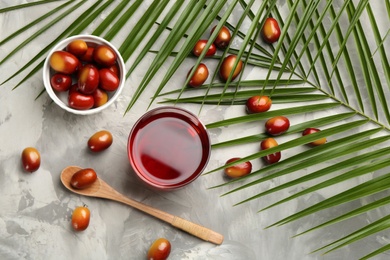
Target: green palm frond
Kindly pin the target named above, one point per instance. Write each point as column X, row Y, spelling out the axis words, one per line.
column 16, row 7
column 331, row 62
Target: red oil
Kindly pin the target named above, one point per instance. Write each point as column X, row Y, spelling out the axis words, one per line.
column 169, row 148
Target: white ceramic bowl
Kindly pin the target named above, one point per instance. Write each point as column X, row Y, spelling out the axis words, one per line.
column 61, row 98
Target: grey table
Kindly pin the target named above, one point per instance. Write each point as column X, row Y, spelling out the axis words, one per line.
column 35, row 209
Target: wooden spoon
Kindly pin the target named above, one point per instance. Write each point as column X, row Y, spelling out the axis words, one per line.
column 101, row 189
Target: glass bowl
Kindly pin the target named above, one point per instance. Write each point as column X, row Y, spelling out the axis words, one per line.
column 168, row 148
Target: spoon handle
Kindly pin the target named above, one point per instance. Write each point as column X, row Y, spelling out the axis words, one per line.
column 185, row 225
column 197, row 230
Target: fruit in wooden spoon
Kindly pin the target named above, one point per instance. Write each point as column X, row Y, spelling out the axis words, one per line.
column 83, row 178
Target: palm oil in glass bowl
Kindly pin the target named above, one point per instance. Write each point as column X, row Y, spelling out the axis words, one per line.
column 168, row 148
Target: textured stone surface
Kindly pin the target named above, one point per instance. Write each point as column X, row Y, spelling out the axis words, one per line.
column 35, row 209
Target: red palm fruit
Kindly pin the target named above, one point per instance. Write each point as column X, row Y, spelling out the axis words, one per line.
column 199, row 77
column 223, row 37
column 311, row 131
column 269, row 143
column 257, row 104
column 277, row 125
column 199, row 46
column 238, row 170
column 271, row 30
column 227, row 67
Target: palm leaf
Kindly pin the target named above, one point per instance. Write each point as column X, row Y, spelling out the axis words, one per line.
column 156, row 35
column 379, row 41
column 298, row 36
column 109, row 20
column 141, row 28
column 36, row 21
column 122, row 20
column 223, row 21
column 370, row 187
column 376, row 252
column 375, row 227
column 39, row 32
column 346, row 55
column 16, row 7
column 269, row 114
column 48, row 47
column 310, row 123
column 250, row 83
column 182, row 24
column 353, row 213
column 295, row 142
column 199, row 28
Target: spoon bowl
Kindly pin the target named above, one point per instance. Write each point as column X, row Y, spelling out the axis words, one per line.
column 100, row 189
column 92, row 191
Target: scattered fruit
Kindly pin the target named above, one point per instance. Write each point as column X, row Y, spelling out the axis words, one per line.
column 109, row 81
column 77, row 47
column 311, row 131
column 104, row 55
column 223, row 37
column 269, row 143
column 277, row 125
column 238, row 170
column 199, row 77
column 159, row 250
column 257, row 104
column 80, row 218
column 271, row 30
column 61, row 82
column 100, row 141
column 227, row 67
column 64, row 62
column 200, row 45
column 31, row 159
column 83, row 178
